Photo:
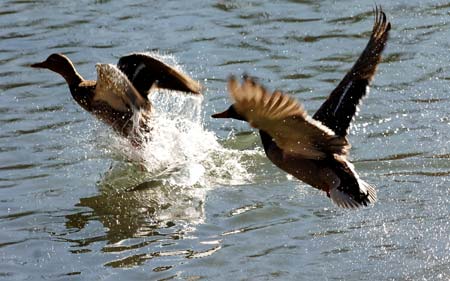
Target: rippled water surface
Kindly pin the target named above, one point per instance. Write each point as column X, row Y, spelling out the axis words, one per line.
column 203, row 202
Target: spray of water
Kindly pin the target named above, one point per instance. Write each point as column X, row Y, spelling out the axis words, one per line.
column 178, row 150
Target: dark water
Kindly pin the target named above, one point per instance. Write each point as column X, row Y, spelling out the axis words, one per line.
column 73, row 207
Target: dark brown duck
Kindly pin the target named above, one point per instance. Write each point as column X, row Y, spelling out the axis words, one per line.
column 121, row 92
column 315, row 149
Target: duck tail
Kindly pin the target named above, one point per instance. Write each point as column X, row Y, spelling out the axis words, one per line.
column 369, row 190
column 345, row 197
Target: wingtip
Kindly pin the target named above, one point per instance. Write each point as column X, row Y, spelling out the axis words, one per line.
column 246, row 79
column 231, row 77
column 196, row 88
column 251, row 80
column 381, row 19
column 232, row 83
column 103, row 67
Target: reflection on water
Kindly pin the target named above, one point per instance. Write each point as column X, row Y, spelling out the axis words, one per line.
column 129, row 210
column 129, row 207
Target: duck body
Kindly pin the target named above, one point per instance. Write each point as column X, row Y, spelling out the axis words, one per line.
column 307, row 170
column 85, row 95
column 330, row 174
column 121, row 91
column 314, row 149
column 313, row 172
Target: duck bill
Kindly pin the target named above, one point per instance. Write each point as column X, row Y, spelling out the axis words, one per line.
column 39, row 65
column 225, row 114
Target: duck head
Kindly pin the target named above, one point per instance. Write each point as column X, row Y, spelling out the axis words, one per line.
column 229, row 113
column 61, row 64
column 55, row 62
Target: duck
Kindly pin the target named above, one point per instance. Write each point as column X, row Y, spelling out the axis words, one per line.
column 120, row 95
column 314, row 149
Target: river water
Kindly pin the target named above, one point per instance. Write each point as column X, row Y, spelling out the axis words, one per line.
column 77, row 204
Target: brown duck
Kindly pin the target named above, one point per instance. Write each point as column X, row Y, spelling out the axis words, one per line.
column 315, row 149
column 121, row 91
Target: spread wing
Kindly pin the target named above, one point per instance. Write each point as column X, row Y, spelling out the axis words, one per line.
column 145, row 72
column 338, row 110
column 285, row 120
column 114, row 88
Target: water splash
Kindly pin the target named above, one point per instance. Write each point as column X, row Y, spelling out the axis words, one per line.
column 178, row 150
column 181, row 150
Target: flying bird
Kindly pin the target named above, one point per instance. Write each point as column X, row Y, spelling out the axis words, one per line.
column 121, row 91
column 314, row 149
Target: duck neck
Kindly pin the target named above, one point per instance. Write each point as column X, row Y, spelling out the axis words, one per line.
column 72, row 77
column 80, row 93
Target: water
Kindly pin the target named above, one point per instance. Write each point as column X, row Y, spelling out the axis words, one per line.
column 205, row 203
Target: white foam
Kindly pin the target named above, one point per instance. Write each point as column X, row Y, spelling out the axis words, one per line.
column 179, row 150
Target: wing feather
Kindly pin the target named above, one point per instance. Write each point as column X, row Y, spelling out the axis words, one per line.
column 145, row 71
column 285, row 120
column 340, row 107
column 114, row 88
